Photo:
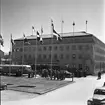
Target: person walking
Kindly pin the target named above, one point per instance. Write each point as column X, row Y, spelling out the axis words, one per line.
column 99, row 75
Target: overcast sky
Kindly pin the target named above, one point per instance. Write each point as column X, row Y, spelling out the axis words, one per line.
column 18, row 16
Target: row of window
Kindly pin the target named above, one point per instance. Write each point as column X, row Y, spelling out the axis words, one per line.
column 99, row 58
column 61, row 48
column 55, row 56
column 99, row 50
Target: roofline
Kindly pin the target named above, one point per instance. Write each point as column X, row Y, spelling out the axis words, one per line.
column 49, row 36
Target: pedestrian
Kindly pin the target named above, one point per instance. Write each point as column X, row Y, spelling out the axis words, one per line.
column 99, row 75
column 54, row 74
column 58, row 74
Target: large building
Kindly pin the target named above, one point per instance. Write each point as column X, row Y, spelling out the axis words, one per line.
column 79, row 51
column 1, row 55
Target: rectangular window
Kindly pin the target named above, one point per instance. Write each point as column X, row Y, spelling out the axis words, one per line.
column 80, row 56
column 61, row 48
column 73, row 47
column 21, row 49
column 87, row 47
column 55, row 48
column 25, row 49
column 39, row 56
column 61, row 56
column 44, row 56
column 49, row 56
column 67, row 47
column 50, row 48
column 29, row 49
column 80, row 47
column 44, row 48
column 39, row 48
column 34, row 49
column 55, row 56
column 67, row 56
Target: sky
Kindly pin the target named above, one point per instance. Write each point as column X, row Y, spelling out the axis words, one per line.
column 18, row 17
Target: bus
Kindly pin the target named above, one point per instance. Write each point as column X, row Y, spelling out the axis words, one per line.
column 17, row 70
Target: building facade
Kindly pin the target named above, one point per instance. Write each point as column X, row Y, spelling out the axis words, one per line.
column 1, row 56
column 79, row 51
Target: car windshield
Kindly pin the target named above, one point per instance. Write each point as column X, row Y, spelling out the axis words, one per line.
column 99, row 91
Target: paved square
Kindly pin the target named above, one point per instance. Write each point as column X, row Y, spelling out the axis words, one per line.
column 33, row 85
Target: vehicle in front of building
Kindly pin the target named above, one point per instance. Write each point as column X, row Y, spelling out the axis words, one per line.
column 68, row 74
column 98, row 97
column 104, row 84
column 3, row 86
column 17, row 70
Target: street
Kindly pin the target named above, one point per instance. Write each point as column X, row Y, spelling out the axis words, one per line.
column 73, row 94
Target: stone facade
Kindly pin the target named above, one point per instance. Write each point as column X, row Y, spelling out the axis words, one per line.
column 79, row 51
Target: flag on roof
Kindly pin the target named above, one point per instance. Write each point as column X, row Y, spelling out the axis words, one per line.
column 55, row 33
column 73, row 23
column 62, row 21
column 33, row 28
column 12, row 41
column 38, row 36
column 41, row 39
column 25, row 39
column 1, row 40
column 86, row 21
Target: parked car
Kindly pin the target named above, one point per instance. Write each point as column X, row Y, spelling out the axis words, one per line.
column 68, row 74
column 98, row 97
column 3, row 86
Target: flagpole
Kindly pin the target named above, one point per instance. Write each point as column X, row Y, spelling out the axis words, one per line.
column 51, row 45
column 23, row 54
column 0, row 54
column 73, row 28
column 62, row 28
column 1, row 43
column 86, row 26
column 36, row 56
column 32, row 30
column 10, row 54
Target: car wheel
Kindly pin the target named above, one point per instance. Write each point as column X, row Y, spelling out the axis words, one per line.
column 5, row 87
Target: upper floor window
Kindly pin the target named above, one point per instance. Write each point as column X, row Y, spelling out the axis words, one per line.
column 25, row 56
column 86, row 47
column 61, row 48
column 21, row 49
column 80, row 56
column 25, row 49
column 73, row 47
column 39, row 56
column 44, row 48
column 55, row 56
column 80, row 47
column 55, row 48
column 29, row 48
column 49, row 56
column 29, row 56
column 67, row 47
column 61, row 56
column 33, row 48
column 50, row 48
column 39, row 48
column 44, row 56
column 67, row 56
